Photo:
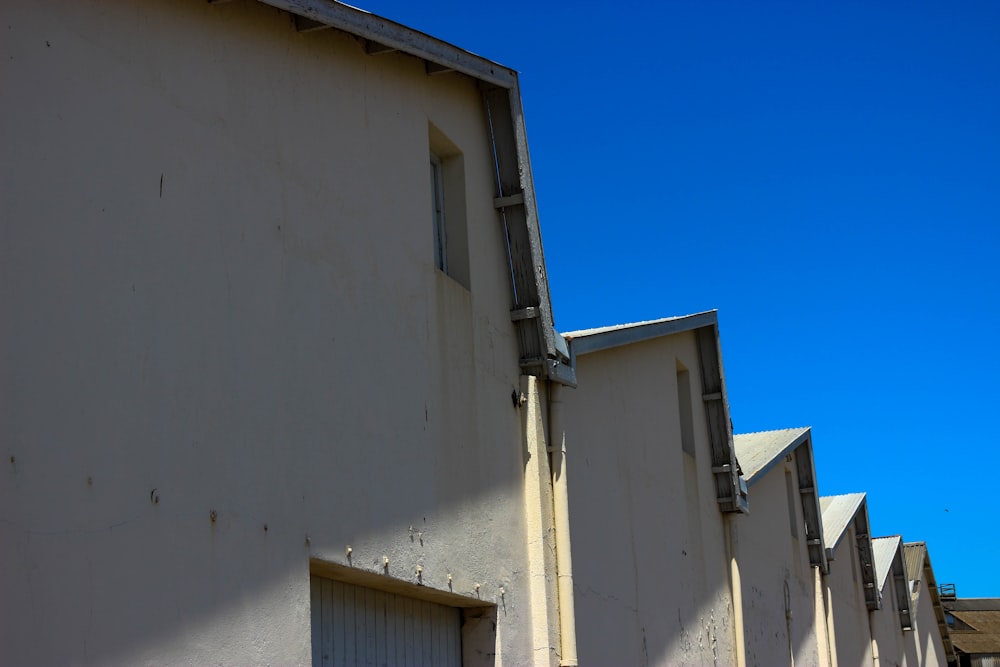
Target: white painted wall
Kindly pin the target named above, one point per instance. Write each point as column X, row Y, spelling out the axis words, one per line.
column 852, row 632
column 218, row 295
column 923, row 646
column 649, row 562
column 886, row 630
column 779, row 603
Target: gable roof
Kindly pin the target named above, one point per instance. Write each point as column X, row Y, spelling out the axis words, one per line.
column 384, row 34
column 977, row 626
column 759, row 452
column 585, row 341
column 842, row 511
column 918, row 568
column 540, row 347
column 838, row 512
column 885, row 549
column 889, row 560
column 730, row 487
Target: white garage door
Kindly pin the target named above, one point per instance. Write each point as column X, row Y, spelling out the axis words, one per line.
column 353, row 625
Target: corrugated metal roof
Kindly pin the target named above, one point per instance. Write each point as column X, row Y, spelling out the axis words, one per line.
column 913, row 557
column 838, row 512
column 976, row 630
column 580, row 333
column 974, row 604
column 885, row 549
column 756, row 452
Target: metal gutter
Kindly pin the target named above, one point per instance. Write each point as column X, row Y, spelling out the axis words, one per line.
column 566, row 607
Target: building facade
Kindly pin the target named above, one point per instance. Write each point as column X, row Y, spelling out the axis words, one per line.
column 282, row 384
column 651, row 562
column 781, row 553
column 265, row 398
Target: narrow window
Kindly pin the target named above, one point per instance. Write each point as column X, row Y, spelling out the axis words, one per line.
column 437, row 214
column 684, row 409
column 448, row 209
column 790, row 493
column 854, row 554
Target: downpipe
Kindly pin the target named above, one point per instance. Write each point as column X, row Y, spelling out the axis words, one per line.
column 736, row 586
column 560, row 517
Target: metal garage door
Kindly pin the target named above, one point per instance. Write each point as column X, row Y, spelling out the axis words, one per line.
column 353, row 625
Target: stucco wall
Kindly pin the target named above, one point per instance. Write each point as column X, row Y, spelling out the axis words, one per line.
column 852, row 633
column 649, row 563
column 225, row 347
column 887, row 633
column 922, row 646
column 778, row 586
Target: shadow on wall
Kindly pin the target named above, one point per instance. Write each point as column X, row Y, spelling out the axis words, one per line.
column 219, row 359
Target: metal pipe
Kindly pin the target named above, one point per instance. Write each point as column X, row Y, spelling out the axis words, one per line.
column 831, row 629
column 736, row 588
column 876, row 660
column 819, row 613
column 560, row 517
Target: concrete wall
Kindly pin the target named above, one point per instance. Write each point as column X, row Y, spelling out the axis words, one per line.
column 852, row 632
column 225, row 347
column 779, row 603
column 649, row 563
column 887, row 633
column 922, row 646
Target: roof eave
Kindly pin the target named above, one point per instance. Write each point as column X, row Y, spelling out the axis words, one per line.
column 629, row 334
column 398, row 37
column 776, row 459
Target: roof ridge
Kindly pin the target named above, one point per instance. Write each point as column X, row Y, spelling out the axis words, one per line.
column 622, row 325
column 846, row 495
column 775, row 430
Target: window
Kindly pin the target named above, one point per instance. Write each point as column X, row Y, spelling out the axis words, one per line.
column 684, row 409
column 790, row 495
column 448, row 212
column 437, row 213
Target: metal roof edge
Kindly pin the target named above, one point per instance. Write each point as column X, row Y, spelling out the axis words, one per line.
column 800, row 439
column 397, row 36
column 883, row 577
column 605, row 338
column 859, row 500
column 939, row 614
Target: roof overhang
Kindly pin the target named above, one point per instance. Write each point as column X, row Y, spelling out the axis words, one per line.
column 587, row 341
column 730, row 487
column 385, row 35
column 919, row 557
column 542, row 351
column 890, row 570
column 765, row 450
column 839, row 512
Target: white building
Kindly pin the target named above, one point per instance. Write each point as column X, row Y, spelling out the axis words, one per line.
column 852, row 580
column 781, row 552
column 930, row 642
column 654, row 493
column 269, row 395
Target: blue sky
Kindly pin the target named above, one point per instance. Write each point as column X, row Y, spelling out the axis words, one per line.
column 827, row 176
